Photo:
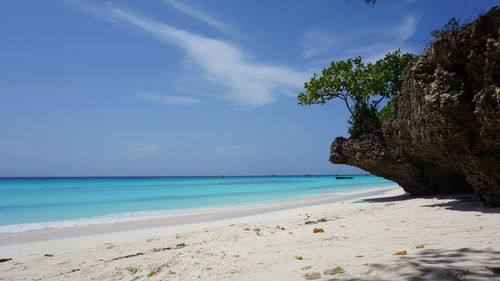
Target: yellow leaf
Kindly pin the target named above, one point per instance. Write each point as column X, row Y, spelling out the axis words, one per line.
column 401, row 253
column 317, row 230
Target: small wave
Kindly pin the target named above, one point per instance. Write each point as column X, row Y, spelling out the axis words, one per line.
column 145, row 215
column 119, row 218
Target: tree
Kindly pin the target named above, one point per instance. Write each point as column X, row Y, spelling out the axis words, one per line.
column 361, row 86
column 452, row 25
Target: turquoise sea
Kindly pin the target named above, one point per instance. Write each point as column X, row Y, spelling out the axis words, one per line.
column 55, row 203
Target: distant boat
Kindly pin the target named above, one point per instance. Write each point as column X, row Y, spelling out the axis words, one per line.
column 344, row 178
column 221, row 176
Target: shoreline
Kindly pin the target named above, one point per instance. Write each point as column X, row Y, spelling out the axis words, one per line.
column 443, row 238
column 232, row 212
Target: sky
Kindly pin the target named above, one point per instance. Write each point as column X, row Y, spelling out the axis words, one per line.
column 188, row 88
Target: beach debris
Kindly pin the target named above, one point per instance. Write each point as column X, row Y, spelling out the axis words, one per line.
column 257, row 231
column 306, row 267
column 317, row 221
column 155, row 270
column 73, row 270
column 420, row 246
column 365, row 264
column 127, row 256
column 495, row 270
column 318, row 230
column 312, row 275
column 133, row 269
column 178, row 246
column 246, row 228
column 334, row 271
column 481, row 228
column 463, row 273
column 401, row 253
column 48, row 255
column 299, row 258
column 290, row 232
column 4, row 260
column 360, row 256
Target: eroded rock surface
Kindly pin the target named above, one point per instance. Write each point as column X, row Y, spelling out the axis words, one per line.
column 444, row 136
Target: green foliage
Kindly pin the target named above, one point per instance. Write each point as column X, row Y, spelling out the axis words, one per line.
column 363, row 120
column 452, row 25
column 361, row 86
column 386, row 112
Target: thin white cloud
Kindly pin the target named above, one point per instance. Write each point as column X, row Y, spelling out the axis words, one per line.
column 230, row 150
column 201, row 16
column 138, row 148
column 315, row 42
column 167, row 99
column 246, row 82
column 407, row 28
column 341, row 45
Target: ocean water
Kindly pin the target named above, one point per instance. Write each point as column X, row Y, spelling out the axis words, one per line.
column 54, row 203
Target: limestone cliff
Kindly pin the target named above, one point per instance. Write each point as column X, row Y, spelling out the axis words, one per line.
column 444, row 135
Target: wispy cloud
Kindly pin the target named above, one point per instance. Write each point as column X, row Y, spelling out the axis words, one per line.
column 407, row 28
column 138, row 148
column 167, row 99
column 230, row 150
column 202, row 16
column 245, row 82
column 317, row 42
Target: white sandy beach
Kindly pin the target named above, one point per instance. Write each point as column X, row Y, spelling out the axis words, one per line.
column 445, row 239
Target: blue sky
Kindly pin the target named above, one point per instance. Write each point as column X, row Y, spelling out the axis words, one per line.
column 172, row 87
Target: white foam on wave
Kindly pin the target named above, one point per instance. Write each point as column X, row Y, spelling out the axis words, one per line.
column 120, row 217
column 144, row 215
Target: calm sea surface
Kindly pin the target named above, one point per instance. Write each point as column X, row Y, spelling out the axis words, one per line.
column 54, row 203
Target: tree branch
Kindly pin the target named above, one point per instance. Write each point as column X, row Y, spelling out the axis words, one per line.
column 344, row 98
column 375, row 105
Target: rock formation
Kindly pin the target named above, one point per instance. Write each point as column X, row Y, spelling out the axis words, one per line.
column 444, row 135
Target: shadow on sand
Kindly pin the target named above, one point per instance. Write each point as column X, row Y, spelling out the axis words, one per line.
column 457, row 202
column 458, row 264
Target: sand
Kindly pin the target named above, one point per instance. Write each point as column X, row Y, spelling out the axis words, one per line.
column 447, row 238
